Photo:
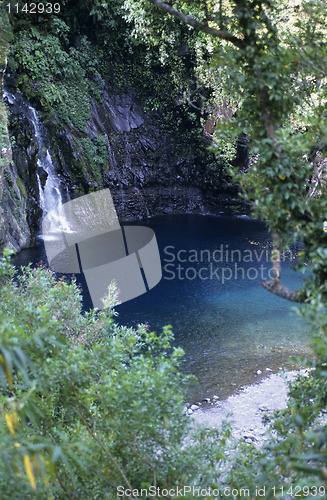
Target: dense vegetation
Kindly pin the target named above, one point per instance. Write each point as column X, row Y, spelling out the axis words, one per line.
column 61, row 62
column 277, row 59
column 87, row 405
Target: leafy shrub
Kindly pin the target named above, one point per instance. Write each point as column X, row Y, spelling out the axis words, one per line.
column 87, row 405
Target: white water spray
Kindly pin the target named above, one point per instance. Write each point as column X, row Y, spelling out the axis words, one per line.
column 50, row 194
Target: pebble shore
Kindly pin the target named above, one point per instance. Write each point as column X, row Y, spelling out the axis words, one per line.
column 246, row 408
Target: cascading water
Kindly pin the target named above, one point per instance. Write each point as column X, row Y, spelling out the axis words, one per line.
column 50, row 194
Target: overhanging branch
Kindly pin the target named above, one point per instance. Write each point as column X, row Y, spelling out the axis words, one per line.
column 275, row 285
column 218, row 33
column 267, row 119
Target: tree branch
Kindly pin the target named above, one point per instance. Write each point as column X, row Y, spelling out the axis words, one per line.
column 222, row 34
column 275, row 285
column 63, row 486
column 267, row 116
column 107, row 452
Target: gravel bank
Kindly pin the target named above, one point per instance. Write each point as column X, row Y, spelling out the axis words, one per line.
column 246, row 408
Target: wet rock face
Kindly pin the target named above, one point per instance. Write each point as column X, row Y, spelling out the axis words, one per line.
column 15, row 183
column 148, row 172
column 14, row 229
column 20, row 201
column 117, row 113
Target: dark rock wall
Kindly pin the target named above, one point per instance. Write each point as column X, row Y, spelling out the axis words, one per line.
column 14, row 227
column 146, row 170
column 122, row 148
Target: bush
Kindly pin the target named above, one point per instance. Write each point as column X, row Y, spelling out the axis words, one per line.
column 87, row 405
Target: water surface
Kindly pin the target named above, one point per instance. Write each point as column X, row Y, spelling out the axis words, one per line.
column 228, row 325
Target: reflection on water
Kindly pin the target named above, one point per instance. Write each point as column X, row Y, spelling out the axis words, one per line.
column 227, row 324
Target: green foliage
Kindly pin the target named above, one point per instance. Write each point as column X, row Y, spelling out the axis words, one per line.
column 61, row 62
column 6, row 34
column 273, row 54
column 4, row 139
column 225, row 152
column 59, row 76
column 74, row 108
column 5, row 152
column 64, row 371
column 21, row 187
column 96, row 155
column 87, row 405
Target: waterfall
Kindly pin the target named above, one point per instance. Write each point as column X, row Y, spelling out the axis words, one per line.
column 50, row 194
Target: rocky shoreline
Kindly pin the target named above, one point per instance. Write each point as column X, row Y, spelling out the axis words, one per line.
column 245, row 409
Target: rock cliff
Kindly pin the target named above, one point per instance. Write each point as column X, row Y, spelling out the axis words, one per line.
column 123, row 148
